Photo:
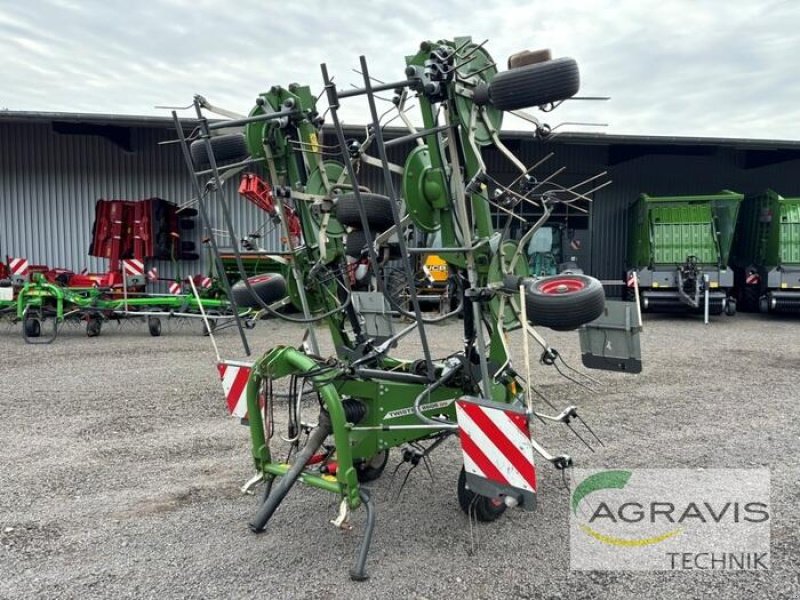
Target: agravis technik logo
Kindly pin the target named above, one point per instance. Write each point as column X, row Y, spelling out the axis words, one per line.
column 670, row 519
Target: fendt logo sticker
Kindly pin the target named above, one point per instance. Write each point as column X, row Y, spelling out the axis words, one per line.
column 670, row 519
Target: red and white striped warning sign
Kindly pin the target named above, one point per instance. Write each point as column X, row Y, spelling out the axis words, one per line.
column 234, row 376
column 132, row 267
column 152, row 274
column 752, row 279
column 175, row 288
column 202, row 281
column 631, row 281
column 496, row 444
column 18, row 266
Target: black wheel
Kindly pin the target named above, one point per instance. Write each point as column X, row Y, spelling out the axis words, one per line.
column 763, row 304
column 730, row 307
column 356, row 242
column 396, row 290
column 209, row 328
column 373, row 468
column 378, row 210
column 485, row 509
column 186, row 212
column 564, row 302
column 528, row 57
column 226, row 148
column 748, row 299
column 535, row 85
column 33, row 327
column 270, row 287
column 93, row 327
column 154, row 326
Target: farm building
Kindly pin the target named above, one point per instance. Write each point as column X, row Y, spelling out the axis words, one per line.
column 54, row 167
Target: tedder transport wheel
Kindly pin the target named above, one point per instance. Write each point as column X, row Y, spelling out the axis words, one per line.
column 485, row 509
column 270, row 287
column 93, row 327
column 535, row 85
column 373, row 468
column 154, row 326
column 377, row 208
column 564, row 302
column 33, row 328
column 227, row 149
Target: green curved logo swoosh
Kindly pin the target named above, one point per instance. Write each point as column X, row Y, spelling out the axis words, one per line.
column 599, row 481
column 612, row 480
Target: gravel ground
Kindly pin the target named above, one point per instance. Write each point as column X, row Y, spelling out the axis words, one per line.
column 121, row 474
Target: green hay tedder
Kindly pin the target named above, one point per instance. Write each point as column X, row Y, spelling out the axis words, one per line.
column 370, row 401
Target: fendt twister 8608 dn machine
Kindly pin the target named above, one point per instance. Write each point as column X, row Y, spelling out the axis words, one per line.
column 369, row 400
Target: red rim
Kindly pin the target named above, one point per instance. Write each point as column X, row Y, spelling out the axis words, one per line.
column 259, row 278
column 561, row 285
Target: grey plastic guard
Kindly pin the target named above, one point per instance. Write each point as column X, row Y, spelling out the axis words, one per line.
column 377, row 314
column 611, row 342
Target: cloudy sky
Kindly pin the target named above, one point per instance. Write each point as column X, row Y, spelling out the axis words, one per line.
column 727, row 68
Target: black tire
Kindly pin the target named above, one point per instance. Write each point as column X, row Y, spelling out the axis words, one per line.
column 378, row 210
column 226, row 148
column 730, row 307
column 187, row 212
column 187, row 247
column 564, row 302
column 154, row 326
column 485, row 509
column 210, row 328
column 187, row 224
column 748, row 299
column 535, row 85
column 396, row 288
column 356, row 242
column 373, row 468
column 270, row 287
column 93, row 327
column 529, row 57
column 33, row 328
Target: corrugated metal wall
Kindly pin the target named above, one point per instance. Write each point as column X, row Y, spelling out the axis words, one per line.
column 49, row 183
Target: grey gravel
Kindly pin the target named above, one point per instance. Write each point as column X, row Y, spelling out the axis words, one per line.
column 121, row 473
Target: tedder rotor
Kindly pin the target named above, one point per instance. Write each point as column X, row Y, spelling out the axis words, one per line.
column 369, row 400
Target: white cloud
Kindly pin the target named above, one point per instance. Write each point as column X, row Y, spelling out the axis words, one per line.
column 672, row 68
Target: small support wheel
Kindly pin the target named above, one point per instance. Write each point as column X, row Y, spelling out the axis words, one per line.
column 209, row 328
column 93, row 326
column 730, row 307
column 33, row 327
column 485, row 509
column 371, row 469
column 154, row 326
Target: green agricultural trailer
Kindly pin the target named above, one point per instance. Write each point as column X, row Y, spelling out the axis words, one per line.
column 678, row 248
column 766, row 253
